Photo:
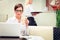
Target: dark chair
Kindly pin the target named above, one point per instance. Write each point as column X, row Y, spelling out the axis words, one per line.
column 32, row 22
column 56, row 34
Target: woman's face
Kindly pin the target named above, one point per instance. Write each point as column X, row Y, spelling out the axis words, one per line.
column 19, row 11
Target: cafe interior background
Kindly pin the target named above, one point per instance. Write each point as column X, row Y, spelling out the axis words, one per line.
column 46, row 18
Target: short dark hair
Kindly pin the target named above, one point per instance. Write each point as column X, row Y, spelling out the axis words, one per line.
column 17, row 6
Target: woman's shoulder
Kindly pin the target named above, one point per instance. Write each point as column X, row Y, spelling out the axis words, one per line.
column 10, row 19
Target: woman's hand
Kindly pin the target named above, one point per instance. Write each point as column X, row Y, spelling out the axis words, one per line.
column 25, row 21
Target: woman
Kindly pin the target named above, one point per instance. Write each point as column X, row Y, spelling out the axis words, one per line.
column 19, row 19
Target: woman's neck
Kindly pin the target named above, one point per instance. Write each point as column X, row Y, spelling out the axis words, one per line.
column 18, row 18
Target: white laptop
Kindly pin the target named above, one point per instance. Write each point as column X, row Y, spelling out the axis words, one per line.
column 10, row 29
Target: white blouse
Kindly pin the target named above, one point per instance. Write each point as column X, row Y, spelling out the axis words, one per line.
column 13, row 20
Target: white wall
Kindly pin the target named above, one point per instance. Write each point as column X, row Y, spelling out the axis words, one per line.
column 46, row 19
column 6, row 6
column 39, row 5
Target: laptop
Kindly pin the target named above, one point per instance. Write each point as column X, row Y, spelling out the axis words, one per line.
column 10, row 29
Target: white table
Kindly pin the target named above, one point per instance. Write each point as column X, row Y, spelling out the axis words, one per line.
column 32, row 37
